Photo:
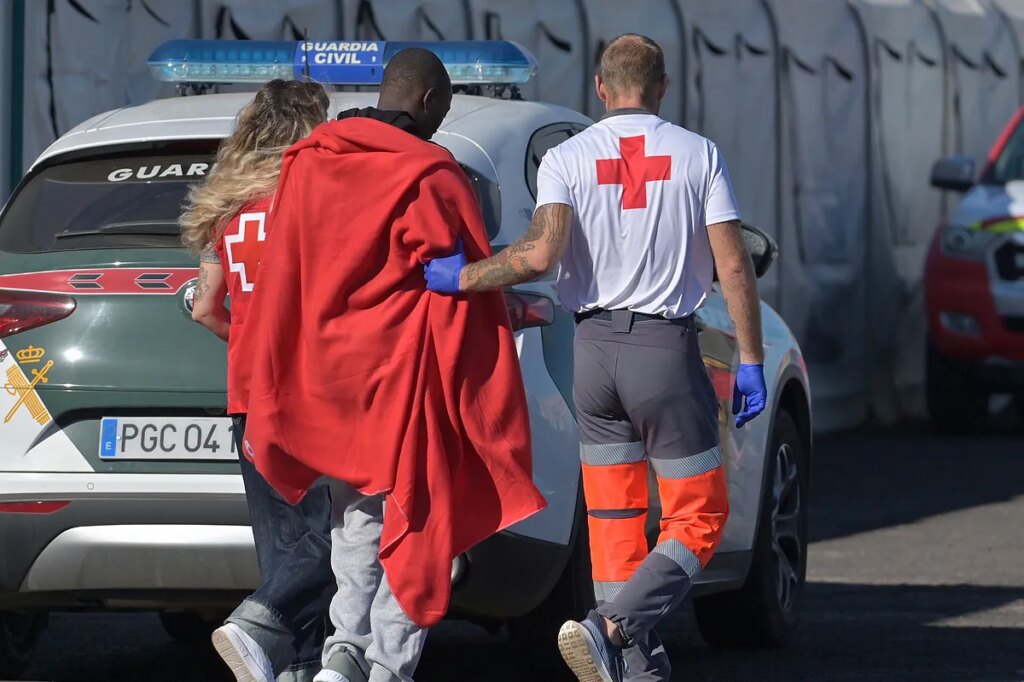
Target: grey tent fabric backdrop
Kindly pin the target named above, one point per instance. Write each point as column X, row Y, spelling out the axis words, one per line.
column 405, row 20
column 823, row 89
column 982, row 75
column 727, row 43
column 660, row 20
column 1013, row 12
column 984, row 67
column 907, row 99
column 555, row 31
column 828, row 112
column 282, row 20
column 89, row 56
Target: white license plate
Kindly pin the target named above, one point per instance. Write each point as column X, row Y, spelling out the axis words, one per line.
column 176, row 438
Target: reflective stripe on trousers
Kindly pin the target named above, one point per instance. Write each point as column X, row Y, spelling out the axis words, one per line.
column 694, row 502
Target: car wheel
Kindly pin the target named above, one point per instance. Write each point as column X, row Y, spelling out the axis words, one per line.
column 19, row 633
column 956, row 403
column 189, row 628
column 765, row 611
column 570, row 599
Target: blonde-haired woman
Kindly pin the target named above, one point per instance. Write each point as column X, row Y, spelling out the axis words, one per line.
column 279, row 629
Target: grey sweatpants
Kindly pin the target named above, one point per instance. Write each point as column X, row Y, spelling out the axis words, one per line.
column 368, row 621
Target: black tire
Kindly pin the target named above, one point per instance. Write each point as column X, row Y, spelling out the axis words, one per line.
column 766, row 610
column 957, row 404
column 188, row 628
column 571, row 599
column 18, row 636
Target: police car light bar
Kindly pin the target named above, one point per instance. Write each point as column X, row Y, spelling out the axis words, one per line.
column 359, row 62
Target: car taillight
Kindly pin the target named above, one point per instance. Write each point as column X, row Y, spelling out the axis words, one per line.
column 24, row 310
column 40, row 507
column 528, row 310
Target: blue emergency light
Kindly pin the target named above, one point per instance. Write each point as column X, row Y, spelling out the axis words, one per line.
column 337, row 62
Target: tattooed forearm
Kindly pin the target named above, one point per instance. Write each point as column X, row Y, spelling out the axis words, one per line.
column 528, row 258
column 739, row 286
column 202, row 286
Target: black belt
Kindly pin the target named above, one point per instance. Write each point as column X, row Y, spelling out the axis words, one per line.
column 602, row 314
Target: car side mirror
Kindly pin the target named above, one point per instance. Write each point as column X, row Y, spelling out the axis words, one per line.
column 762, row 249
column 954, row 173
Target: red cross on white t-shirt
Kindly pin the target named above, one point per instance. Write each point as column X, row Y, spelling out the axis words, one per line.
column 633, row 171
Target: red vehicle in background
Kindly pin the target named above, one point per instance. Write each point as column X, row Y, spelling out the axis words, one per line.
column 974, row 287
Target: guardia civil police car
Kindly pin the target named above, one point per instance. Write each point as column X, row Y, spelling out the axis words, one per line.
column 118, row 479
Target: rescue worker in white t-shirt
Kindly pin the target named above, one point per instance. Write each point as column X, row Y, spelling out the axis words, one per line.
column 637, row 212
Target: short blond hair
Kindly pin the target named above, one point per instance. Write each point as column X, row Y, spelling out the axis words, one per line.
column 632, row 63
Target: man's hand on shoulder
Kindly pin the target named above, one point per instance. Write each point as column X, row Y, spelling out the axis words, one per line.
column 442, row 274
column 531, row 256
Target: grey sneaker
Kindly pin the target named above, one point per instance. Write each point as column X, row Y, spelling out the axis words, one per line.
column 341, row 667
column 587, row 651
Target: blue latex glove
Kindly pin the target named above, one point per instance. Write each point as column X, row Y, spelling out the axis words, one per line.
column 443, row 273
column 750, row 389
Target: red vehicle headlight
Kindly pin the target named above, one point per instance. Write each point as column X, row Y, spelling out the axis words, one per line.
column 962, row 242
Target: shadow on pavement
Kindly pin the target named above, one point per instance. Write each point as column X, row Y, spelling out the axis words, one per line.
column 850, row 632
column 135, row 647
column 870, row 632
column 865, row 480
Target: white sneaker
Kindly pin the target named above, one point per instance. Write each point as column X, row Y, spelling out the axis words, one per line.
column 329, row 676
column 244, row 656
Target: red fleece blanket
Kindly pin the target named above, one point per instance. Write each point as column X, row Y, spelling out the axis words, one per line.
column 363, row 375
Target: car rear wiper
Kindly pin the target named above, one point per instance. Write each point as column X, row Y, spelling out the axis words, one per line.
column 139, row 228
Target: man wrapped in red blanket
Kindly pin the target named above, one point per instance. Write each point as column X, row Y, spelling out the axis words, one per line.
column 409, row 401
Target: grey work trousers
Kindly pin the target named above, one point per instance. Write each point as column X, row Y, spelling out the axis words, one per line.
column 644, row 400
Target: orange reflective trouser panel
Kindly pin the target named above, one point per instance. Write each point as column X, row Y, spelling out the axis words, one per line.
column 645, row 404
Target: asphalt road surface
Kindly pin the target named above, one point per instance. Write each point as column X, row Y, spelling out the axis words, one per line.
column 916, row 572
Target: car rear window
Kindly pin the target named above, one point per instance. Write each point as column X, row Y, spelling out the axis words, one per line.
column 124, row 201
column 131, row 199
column 489, row 196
